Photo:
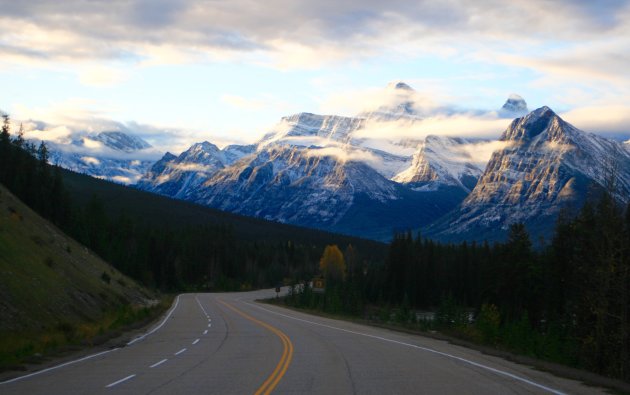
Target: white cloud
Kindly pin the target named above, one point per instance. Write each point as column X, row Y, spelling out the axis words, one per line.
column 458, row 125
column 608, row 119
column 344, row 155
column 101, row 76
column 126, row 180
column 290, row 33
column 89, row 160
column 351, row 102
column 191, row 167
column 58, row 134
column 480, row 152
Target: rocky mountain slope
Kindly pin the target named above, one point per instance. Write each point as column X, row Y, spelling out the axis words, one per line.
column 546, row 166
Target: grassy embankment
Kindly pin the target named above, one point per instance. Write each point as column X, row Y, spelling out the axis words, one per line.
column 55, row 294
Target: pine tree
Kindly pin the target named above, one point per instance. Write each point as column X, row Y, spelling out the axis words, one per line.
column 5, row 148
column 19, row 139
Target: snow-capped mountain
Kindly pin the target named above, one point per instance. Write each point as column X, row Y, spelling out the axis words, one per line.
column 178, row 176
column 111, row 155
column 546, row 165
column 441, row 161
column 515, row 106
column 122, row 142
column 399, row 105
column 309, row 187
column 323, row 171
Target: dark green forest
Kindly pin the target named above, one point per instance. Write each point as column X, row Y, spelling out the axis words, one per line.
column 566, row 302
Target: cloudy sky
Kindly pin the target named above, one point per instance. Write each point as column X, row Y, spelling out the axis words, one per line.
column 179, row 71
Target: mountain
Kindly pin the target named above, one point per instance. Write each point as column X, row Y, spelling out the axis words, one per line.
column 441, row 161
column 399, row 104
column 121, row 141
column 111, row 155
column 515, row 106
column 547, row 165
column 177, row 176
column 309, row 187
column 323, row 171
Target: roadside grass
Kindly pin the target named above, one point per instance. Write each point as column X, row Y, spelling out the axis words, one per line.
column 30, row 346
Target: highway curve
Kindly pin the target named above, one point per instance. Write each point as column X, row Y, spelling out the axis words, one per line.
column 229, row 344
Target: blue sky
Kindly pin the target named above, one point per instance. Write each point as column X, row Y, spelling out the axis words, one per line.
column 180, row 71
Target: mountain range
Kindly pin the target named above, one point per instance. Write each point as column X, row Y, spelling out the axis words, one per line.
column 112, row 155
column 324, row 171
column 348, row 175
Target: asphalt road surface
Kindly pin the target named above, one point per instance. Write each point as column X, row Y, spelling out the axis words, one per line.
column 229, row 344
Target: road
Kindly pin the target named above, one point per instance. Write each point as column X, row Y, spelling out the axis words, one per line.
column 229, row 344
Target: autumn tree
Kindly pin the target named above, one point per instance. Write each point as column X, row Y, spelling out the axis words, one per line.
column 332, row 263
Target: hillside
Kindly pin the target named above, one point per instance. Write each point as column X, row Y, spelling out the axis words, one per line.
column 156, row 210
column 49, row 282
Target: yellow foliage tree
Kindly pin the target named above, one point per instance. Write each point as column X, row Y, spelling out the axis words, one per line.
column 332, row 264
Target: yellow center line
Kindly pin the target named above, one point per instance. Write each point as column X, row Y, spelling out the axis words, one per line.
column 287, row 353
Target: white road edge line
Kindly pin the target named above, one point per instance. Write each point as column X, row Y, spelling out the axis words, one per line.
column 180, row 351
column 202, row 309
column 195, row 342
column 137, row 339
column 158, row 363
column 209, row 325
column 205, row 332
column 491, row 369
column 59, row 366
column 120, row 381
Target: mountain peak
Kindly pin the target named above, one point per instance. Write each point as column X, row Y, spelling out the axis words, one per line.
column 168, row 156
column 536, row 122
column 514, row 105
column 399, row 85
column 204, row 146
column 120, row 141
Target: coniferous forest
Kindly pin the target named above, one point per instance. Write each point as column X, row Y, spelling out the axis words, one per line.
column 567, row 301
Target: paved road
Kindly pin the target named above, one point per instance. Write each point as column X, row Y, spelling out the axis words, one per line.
column 228, row 344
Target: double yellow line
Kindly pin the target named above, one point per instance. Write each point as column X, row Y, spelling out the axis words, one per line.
column 287, row 353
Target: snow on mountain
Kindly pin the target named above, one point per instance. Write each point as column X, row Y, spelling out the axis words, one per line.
column 388, row 156
column 322, row 171
column 310, row 129
column 440, row 161
column 515, row 106
column 546, row 165
column 399, row 104
column 179, row 176
column 312, row 187
column 110, row 155
column 121, row 141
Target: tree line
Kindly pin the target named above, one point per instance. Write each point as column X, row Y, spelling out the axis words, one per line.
column 567, row 302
